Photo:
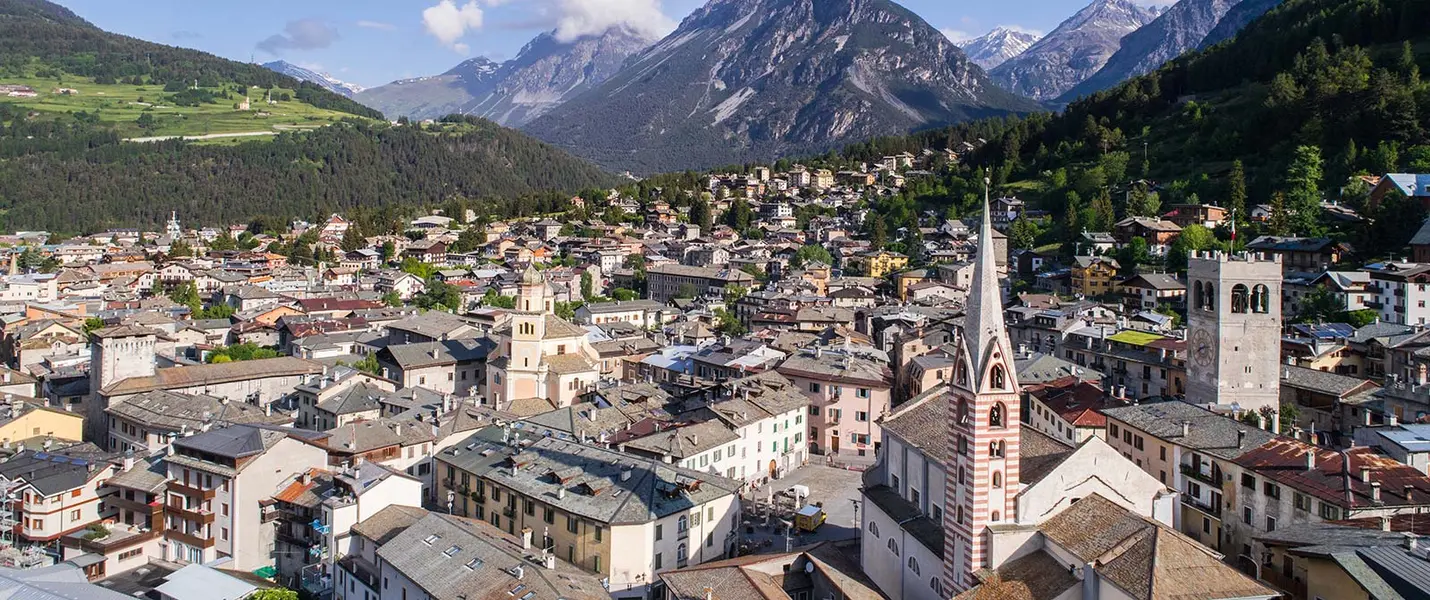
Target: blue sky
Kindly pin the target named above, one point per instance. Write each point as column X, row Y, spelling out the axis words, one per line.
column 372, row 42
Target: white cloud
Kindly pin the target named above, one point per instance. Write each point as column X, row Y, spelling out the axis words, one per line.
column 448, row 23
column 301, row 34
column 577, row 18
column 376, row 25
column 956, row 36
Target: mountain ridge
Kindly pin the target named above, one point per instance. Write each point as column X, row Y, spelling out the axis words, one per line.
column 1072, row 52
column 545, row 73
column 743, row 80
column 324, row 80
column 998, row 46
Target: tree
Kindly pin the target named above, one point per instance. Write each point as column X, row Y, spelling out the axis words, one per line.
column 739, row 215
column 1022, row 234
column 878, row 232
column 1360, row 318
column 1236, row 191
column 468, row 240
column 439, row 295
column 566, row 310
column 700, row 214
column 494, row 300
column 726, row 323
column 1321, row 306
column 687, row 291
column 392, row 299
column 369, row 365
column 187, row 294
column 1134, row 253
column 1194, row 237
column 1280, row 223
column 146, row 122
column 93, row 323
column 734, row 293
column 387, row 251
column 353, row 240
column 274, row 594
column 1140, row 202
column 623, row 294
column 588, row 286
column 811, row 253
column 1303, row 190
column 180, row 249
column 1103, row 215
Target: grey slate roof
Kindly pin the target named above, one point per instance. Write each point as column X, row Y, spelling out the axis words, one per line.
column 49, row 473
column 451, row 557
column 653, row 490
column 172, row 411
column 232, row 442
column 1209, row 432
column 1320, row 381
column 416, row 356
column 57, row 582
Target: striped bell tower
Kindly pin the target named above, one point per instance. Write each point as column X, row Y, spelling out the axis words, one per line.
column 983, row 427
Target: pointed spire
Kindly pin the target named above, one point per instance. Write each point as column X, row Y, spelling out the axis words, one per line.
column 983, row 319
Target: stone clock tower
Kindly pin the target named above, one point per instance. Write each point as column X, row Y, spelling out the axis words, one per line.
column 1234, row 330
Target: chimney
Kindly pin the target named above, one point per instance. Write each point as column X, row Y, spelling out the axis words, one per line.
column 561, row 493
column 128, row 461
column 268, row 409
column 1375, row 492
column 709, row 594
column 1310, row 459
column 1392, row 420
column 548, row 560
column 1186, row 428
column 1385, row 523
column 397, row 429
column 6, row 376
column 1365, row 474
column 1240, row 438
column 525, row 538
column 1409, row 492
column 304, row 478
column 626, row 475
column 1411, row 541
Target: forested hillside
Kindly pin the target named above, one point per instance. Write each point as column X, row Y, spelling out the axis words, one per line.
column 1310, row 94
column 73, row 177
column 35, row 30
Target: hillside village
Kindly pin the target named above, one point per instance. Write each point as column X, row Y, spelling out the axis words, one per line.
column 637, row 408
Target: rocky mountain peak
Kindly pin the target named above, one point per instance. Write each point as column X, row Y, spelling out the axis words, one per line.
column 997, row 46
column 1074, row 51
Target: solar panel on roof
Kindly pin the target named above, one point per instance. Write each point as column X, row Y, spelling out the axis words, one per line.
column 42, row 455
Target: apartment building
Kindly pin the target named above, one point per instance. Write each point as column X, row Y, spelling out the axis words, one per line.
column 664, row 282
column 751, row 430
column 408, row 553
column 216, row 482
column 57, row 493
column 1239, row 482
column 1138, row 364
column 847, row 396
column 314, row 512
column 340, row 396
column 574, row 498
column 149, row 422
column 1398, row 292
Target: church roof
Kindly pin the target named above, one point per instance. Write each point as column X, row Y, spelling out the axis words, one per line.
column 983, row 324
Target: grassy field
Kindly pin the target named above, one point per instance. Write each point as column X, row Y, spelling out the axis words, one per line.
column 122, row 105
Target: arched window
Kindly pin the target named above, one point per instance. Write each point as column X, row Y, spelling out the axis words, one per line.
column 682, row 523
column 960, row 515
column 963, row 412
column 1209, row 297
column 1261, row 299
column 914, row 565
column 999, row 378
column 680, row 552
column 997, row 479
column 874, row 528
column 995, row 449
column 936, row 585
column 1199, row 299
column 995, row 415
column 893, row 547
column 995, row 517
column 1239, row 298
column 962, row 374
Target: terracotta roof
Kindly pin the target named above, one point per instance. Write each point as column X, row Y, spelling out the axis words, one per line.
column 1036, row 576
column 1337, row 478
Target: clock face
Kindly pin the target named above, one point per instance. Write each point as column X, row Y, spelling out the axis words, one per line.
column 1202, row 348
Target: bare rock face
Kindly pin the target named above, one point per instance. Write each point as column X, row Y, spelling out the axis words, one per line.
column 1077, row 49
column 328, row 82
column 1180, row 29
column 744, row 80
column 544, row 74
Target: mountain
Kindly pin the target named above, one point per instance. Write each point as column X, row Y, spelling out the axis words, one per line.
column 997, row 46
column 1077, row 49
column 53, row 37
column 1238, row 17
column 745, row 80
column 324, row 80
column 544, row 74
column 70, row 171
column 1179, row 29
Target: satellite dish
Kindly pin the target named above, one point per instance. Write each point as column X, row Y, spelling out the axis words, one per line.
column 809, row 566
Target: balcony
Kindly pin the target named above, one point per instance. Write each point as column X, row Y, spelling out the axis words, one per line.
column 1212, row 511
column 196, row 515
column 508, row 512
column 118, row 501
column 1213, row 479
column 682, row 534
column 286, row 535
column 192, row 492
column 189, row 539
column 316, row 579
